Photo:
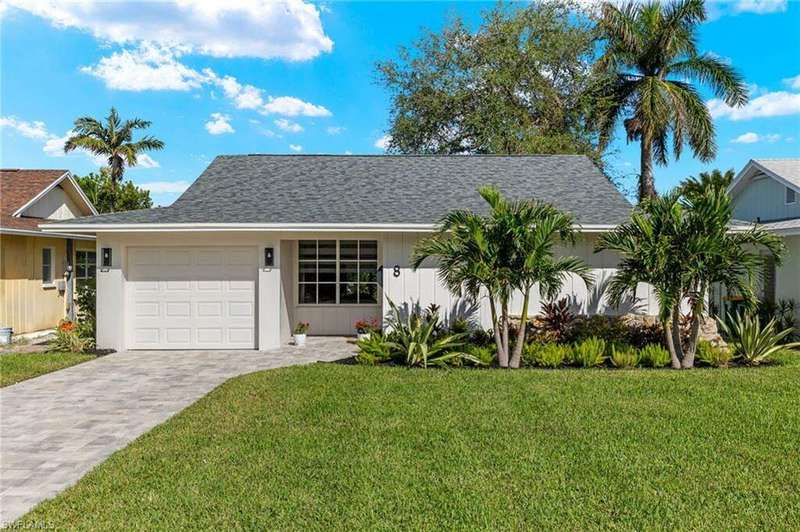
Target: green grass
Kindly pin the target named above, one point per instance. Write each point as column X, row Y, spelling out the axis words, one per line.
column 351, row 447
column 16, row 367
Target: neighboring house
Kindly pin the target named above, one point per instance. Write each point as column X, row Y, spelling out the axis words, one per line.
column 260, row 242
column 767, row 191
column 33, row 264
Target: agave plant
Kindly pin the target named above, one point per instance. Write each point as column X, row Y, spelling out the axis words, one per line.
column 751, row 342
column 415, row 339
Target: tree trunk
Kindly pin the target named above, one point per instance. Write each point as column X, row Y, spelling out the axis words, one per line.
column 504, row 310
column 516, row 357
column 116, row 177
column 502, row 357
column 647, row 188
column 676, row 335
column 694, row 335
column 676, row 362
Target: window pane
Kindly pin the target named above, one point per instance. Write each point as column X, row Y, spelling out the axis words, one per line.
column 369, row 272
column 368, row 293
column 327, row 293
column 327, row 250
column 368, row 250
column 80, row 271
column 308, row 293
column 47, row 272
column 92, row 271
column 348, row 272
column 308, row 272
column 308, row 249
column 327, row 272
column 348, row 293
column 348, row 250
column 92, row 257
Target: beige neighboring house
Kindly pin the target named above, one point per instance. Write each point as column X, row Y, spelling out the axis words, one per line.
column 34, row 277
column 767, row 191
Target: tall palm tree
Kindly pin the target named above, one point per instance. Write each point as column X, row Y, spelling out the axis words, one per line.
column 648, row 65
column 113, row 140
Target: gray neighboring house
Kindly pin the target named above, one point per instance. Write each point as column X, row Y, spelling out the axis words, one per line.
column 261, row 242
column 767, row 191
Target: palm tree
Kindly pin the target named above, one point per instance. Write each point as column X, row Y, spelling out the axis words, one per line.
column 530, row 231
column 113, row 140
column 648, row 66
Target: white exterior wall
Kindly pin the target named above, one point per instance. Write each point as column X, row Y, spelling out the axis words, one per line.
column 277, row 309
column 55, row 205
column 787, row 276
column 764, row 198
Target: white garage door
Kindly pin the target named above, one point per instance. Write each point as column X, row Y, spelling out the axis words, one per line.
column 191, row 297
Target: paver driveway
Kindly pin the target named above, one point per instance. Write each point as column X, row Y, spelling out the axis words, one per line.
column 57, row 427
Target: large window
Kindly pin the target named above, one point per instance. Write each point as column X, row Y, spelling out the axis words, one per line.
column 85, row 265
column 338, row 272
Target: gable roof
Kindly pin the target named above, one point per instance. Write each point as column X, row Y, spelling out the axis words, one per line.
column 784, row 171
column 350, row 190
column 19, row 189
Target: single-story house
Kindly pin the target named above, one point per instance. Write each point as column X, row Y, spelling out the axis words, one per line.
column 260, row 242
column 35, row 281
column 767, row 191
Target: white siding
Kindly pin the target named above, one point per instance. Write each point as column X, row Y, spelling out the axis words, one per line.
column 787, row 276
column 764, row 198
column 55, row 205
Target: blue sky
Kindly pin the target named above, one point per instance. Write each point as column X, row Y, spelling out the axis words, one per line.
column 297, row 77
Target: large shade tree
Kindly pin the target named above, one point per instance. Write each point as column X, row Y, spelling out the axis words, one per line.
column 649, row 68
column 518, row 84
column 124, row 197
column 114, row 141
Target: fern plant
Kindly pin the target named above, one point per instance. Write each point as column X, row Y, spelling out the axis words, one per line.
column 589, row 353
column 753, row 343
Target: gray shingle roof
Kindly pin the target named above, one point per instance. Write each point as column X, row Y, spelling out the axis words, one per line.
column 325, row 189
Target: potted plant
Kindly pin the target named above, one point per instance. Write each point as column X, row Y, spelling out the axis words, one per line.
column 299, row 332
column 365, row 327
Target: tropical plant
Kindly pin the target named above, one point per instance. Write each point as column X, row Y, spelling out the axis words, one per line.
column 589, row 352
column 783, row 312
column 652, row 59
column 366, row 326
column 87, row 305
column 623, row 356
column 373, row 349
column 713, row 355
column 482, row 355
column 114, row 141
column 126, row 197
column 414, row 339
column 654, row 356
column 753, row 343
column 556, row 318
column 70, row 338
column 548, row 355
column 681, row 244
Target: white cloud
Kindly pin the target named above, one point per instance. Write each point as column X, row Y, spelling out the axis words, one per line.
column 288, row 125
column 54, row 146
column 295, row 147
column 780, row 103
column 383, row 142
column 165, row 187
column 267, row 29
column 149, row 67
column 751, row 138
column 348, row 152
column 32, row 130
column 793, row 82
column 291, row 106
column 759, row 6
column 746, row 138
column 335, row 130
column 219, row 124
column 145, row 161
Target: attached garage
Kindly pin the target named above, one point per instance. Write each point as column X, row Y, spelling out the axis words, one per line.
column 191, row 297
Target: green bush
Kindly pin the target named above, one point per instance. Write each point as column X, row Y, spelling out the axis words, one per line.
column 751, row 342
column 624, row 356
column 712, row 355
column 548, row 355
column 597, row 326
column 654, row 356
column 86, row 300
column 372, row 350
column 589, row 352
column 69, row 339
column 483, row 355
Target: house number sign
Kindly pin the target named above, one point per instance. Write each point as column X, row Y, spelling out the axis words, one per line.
column 396, row 271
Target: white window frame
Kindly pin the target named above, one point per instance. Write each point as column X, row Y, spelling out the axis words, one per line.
column 337, row 282
column 85, row 264
column 52, row 282
column 786, row 196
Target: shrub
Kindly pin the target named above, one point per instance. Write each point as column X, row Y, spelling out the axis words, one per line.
column 71, row 338
column 482, row 355
column 545, row 355
column 482, row 337
column 373, row 349
column 751, row 342
column 654, row 356
column 783, row 312
column 643, row 334
column 366, row 326
column 459, row 326
column 589, row 352
column 556, row 318
column 609, row 329
column 624, row 356
column 86, row 299
column 712, row 355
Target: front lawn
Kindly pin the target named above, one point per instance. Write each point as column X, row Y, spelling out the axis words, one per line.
column 16, row 367
column 353, row 447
